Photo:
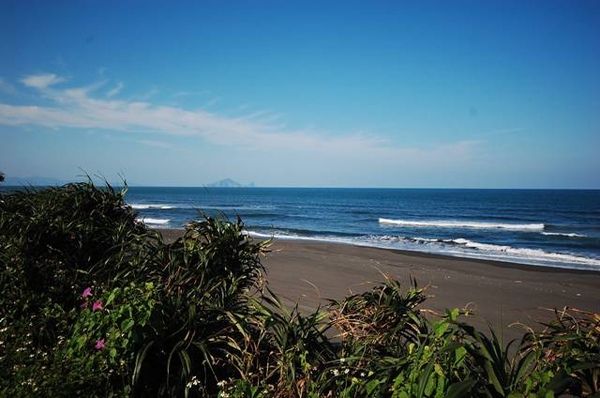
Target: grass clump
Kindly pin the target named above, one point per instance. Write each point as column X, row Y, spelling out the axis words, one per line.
column 94, row 303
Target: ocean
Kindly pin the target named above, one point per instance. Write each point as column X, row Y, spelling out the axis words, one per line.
column 554, row 228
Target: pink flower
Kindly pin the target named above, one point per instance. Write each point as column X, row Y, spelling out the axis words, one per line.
column 99, row 344
column 83, row 305
column 87, row 292
column 97, row 305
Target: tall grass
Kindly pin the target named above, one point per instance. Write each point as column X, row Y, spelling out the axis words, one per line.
column 94, row 303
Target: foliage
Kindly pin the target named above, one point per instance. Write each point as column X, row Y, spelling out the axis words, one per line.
column 53, row 244
column 285, row 348
column 570, row 350
column 382, row 321
column 94, row 303
column 208, row 276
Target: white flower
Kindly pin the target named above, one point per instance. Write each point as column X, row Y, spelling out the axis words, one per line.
column 193, row 382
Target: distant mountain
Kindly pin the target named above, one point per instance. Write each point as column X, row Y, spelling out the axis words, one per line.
column 229, row 183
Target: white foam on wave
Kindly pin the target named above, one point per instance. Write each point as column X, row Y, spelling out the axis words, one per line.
column 139, row 206
column 568, row 235
column 399, row 239
column 467, row 248
column 533, row 254
column 290, row 236
column 154, row 221
column 453, row 247
column 260, row 235
column 462, row 224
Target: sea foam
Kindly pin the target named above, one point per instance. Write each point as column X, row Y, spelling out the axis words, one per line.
column 567, row 235
column 139, row 206
column 461, row 224
column 154, row 221
column 473, row 249
column 533, row 254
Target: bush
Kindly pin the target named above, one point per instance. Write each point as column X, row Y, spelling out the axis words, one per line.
column 94, row 303
column 160, row 314
column 53, row 244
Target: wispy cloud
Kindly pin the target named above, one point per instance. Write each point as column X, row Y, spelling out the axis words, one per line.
column 42, row 81
column 115, row 90
column 82, row 108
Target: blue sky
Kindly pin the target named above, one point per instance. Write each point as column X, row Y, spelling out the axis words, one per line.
column 466, row 94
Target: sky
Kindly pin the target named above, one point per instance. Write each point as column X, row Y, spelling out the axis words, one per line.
column 421, row 94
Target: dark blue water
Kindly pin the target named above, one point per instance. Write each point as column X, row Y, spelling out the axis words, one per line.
column 557, row 228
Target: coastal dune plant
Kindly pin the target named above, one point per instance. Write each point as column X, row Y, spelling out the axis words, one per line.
column 564, row 358
column 208, row 277
column 436, row 366
column 94, row 303
column 570, row 349
column 54, row 243
column 59, row 242
column 108, row 328
column 500, row 372
column 383, row 320
column 294, row 346
column 390, row 349
column 75, row 235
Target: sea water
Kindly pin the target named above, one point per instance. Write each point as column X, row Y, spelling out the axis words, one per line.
column 556, row 228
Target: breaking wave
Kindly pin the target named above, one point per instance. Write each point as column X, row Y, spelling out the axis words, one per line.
column 567, row 235
column 462, row 224
column 452, row 247
column 139, row 206
column 154, row 221
column 465, row 247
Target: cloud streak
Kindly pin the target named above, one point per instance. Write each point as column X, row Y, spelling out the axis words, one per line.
column 84, row 108
column 115, row 90
column 42, row 81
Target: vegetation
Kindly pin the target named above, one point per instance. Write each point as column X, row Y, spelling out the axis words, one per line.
column 94, row 303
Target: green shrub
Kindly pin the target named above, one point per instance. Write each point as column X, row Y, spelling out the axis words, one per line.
column 94, row 303
column 170, row 312
column 569, row 349
column 53, row 244
column 203, row 313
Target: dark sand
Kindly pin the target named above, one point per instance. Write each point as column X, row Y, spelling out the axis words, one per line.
column 500, row 294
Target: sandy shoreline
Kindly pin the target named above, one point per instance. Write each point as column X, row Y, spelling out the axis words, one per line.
column 499, row 293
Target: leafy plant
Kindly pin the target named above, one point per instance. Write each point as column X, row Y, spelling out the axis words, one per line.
column 54, row 243
column 500, row 373
column 570, row 349
column 437, row 366
column 381, row 321
column 207, row 277
column 292, row 347
column 94, row 303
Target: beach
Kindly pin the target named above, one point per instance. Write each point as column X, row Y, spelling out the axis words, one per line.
column 496, row 293
column 552, row 228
